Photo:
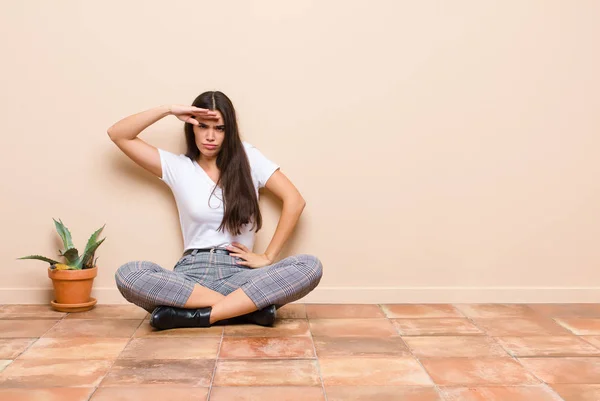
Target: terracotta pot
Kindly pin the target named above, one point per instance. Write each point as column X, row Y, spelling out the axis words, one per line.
column 72, row 289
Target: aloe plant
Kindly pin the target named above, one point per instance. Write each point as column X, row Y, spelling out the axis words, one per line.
column 74, row 261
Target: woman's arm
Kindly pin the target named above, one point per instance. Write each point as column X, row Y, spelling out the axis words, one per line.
column 130, row 127
column 293, row 205
column 124, row 133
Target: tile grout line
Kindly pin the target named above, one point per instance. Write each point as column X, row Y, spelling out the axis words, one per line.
column 64, row 317
column 117, row 358
column 579, row 336
column 582, row 338
column 553, row 318
column 513, row 357
column 316, row 358
column 212, row 379
column 36, row 338
column 435, row 385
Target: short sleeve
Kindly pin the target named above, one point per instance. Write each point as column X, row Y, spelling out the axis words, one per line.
column 172, row 166
column 262, row 167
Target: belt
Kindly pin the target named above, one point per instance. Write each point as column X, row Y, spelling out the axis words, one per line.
column 213, row 250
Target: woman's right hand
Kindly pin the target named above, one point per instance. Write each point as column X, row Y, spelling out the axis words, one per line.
column 188, row 114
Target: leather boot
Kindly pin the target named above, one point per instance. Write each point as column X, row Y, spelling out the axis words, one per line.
column 170, row 317
column 263, row 317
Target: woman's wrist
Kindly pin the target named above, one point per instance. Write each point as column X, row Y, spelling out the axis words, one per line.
column 166, row 109
column 270, row 257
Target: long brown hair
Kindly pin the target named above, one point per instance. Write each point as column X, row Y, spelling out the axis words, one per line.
column 239, row 195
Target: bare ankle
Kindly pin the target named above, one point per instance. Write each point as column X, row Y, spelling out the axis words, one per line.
column 202, row 297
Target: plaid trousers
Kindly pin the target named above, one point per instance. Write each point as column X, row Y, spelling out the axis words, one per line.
column 149, row 285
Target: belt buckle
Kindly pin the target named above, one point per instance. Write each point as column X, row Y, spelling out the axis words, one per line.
column 212, row 252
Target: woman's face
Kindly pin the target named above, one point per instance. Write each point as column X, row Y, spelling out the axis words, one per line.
column 210, row 134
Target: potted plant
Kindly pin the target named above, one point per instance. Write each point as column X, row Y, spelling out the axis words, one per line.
column 72, row 280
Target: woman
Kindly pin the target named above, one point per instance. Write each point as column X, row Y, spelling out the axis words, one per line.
column 215, row 185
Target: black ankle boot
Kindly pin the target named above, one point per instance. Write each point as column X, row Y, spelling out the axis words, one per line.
column 263, row 317
column 170, row 317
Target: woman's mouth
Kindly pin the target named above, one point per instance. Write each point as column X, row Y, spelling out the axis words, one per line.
column 210, row 147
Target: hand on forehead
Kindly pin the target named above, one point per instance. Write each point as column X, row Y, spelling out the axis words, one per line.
column 217, row 120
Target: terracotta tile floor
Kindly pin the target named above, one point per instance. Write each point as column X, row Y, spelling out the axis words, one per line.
column 461, row 352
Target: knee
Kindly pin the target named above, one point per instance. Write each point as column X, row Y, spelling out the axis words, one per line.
column 312, row 265
column 124, row 273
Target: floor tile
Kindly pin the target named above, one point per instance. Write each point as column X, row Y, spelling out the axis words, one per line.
column 4, row 363
column 29, row 312
column 93, row 328
column 365, row 352
column 334, row 347
column 460, row 346
column 292, row 311
column 150, row 392
column 146, row 331
column 567, row 310
column 46, row 394
column 578, row 392
column 495, row 310
column 536, row 326
column 347, row 311
column 282, row 328
column 477, row 371
column 266, row 347
column 581, row 326
column 569, row 370
column 382, row 393
column 512, row 393
column 25, row 328
column 172, row 348
column 258, row 372
column 373, row 371
column 185, row 373
column 111, row 312
column 40, row 373
column 416, row 311
column 287, row 393
column 352, row 328
column 436, row 326
column 10, row 348
column 594, row 340
column 75, row 348
column 547, row 346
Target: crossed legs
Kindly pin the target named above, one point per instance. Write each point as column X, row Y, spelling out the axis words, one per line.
column 148, row 285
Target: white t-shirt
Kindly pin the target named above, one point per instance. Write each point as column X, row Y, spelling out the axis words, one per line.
column 192, row 188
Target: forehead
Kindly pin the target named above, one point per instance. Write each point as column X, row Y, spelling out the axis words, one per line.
column 210, row 121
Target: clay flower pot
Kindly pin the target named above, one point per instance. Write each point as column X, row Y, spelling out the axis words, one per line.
column 72, row 289
column 73, row 279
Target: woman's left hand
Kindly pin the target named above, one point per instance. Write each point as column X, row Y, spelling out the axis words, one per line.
column 251, row 259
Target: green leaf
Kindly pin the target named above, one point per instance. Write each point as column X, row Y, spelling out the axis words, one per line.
column 71, row 254
column 64, row 233
column 42, row 258
column 89, row 255
column 91, row 246
column 93, row 239
column 77, row 264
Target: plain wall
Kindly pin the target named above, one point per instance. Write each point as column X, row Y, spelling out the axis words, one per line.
column 447, row 151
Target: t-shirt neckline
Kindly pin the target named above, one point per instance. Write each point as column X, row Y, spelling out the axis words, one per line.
column 205, row 174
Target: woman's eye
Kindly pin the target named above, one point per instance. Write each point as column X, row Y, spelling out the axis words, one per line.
column 221, row 128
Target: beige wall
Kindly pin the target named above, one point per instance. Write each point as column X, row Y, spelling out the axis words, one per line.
column 448, row 151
